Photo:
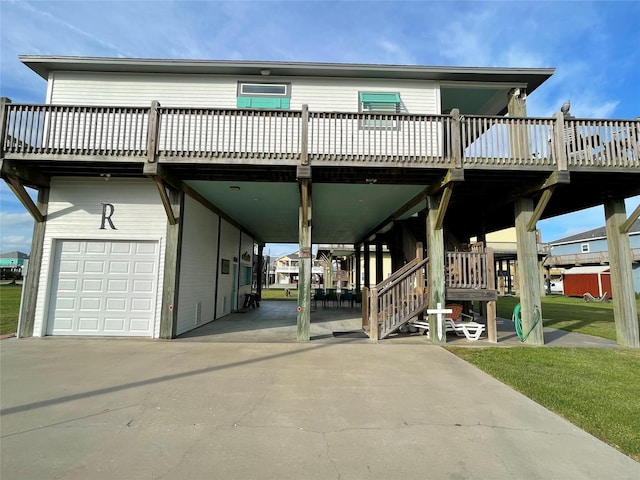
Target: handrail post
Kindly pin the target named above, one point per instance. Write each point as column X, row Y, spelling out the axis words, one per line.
column 560, row 151
column 304, row 136
column 4, row 117
column 152, row 133
column 455, row 139
column 373, row 314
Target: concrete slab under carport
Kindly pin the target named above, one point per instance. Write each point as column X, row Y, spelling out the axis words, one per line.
column 275, row 321
column 78, row 408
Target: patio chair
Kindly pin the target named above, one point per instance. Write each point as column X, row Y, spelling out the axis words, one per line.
column 347, row 296
column 319, row 295
column 467, row 328
column 331, row 295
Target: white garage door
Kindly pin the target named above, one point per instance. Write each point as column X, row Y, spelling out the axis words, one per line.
column 103, row 288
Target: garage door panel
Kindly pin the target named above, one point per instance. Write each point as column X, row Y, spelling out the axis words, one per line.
column 103, row 288
column 89, row 324
column 96, row 248
column 144, row 267
column 116, row 304
column 92, row 285
column 92, row 267
column 113, row 324
column 70, row 266
column 117, row 286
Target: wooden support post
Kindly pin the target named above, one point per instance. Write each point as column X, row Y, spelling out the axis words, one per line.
column 32, row 281
column 373, row 314
column 623, row 296
column 173, row 252
column 559, row 152
column 304, row 276
column 528, row 273
column 367, row 265
column 4, row 101
column 456, row 140
column 379, row 262
column 358, row 269
column 519, row 134
column 435, row 266
column 259, row 269
column 365, row 307
column 19, row 191
column 490, row 314
column 152, row 134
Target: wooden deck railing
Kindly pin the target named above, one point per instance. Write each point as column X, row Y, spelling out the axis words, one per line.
column 466, row 270
column 402, row 139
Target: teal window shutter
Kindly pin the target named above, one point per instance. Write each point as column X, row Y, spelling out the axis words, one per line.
column 379, row 97
column 263, row 102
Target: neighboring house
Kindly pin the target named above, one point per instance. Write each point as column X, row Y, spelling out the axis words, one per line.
column 159, row 179
column 287, row 269
column 590, row 249
column 12, row 264
column 13, row 260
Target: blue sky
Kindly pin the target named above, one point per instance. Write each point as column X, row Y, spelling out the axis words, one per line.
column 595, row 47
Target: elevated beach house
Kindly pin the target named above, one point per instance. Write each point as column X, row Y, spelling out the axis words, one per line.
column 158, row 180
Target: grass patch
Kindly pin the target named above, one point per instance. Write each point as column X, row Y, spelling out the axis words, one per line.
column 9, row 308
column 595, row 389
column 278, row 294
column 570, row 314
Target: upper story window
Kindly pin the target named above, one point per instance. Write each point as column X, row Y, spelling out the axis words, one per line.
column 584, row 248
column 380, row 103
column 263, row 95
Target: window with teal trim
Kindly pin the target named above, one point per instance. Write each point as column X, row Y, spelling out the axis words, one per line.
column 264, row 95
column 379, row 105
column 245, row 276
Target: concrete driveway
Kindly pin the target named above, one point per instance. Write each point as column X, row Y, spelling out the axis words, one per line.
column 339, row 408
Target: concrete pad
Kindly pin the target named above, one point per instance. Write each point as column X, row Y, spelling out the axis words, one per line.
column 74, row 408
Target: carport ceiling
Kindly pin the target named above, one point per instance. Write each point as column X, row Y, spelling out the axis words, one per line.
column 342, row 213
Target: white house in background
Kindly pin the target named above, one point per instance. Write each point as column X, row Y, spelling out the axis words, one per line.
column 590, row 249
column 287, row 269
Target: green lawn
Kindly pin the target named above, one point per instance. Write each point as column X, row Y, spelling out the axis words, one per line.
column 9, row 307
column 596, row 389
column 278, row 294
column 571, row 314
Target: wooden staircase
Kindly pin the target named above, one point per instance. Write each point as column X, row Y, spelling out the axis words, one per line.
column 395, row 300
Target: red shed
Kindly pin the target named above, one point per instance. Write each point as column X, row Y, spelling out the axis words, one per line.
column 580, row 280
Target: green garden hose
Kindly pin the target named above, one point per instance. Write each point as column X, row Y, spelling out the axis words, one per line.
column 517, row 320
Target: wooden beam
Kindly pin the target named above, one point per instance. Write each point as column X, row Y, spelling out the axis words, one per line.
column 28, row 176
column 626, row 226
column 625, row 312
column 171, row 279
column 18, row 189
column 152, row 133
column 304, row 276
column 444, row 204
column 453, row 175
column 166, row 203
column 435, row 266
column 539, row 210
column 528, row 273
column 31, row 282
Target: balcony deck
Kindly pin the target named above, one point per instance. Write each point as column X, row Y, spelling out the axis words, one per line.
column 496, row 158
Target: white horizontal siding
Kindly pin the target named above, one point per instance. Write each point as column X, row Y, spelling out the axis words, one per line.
column 197, row 266
column 75, row 212
column 219, row 91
